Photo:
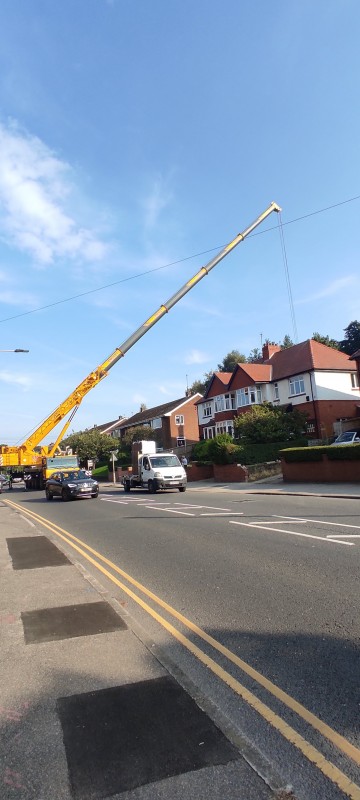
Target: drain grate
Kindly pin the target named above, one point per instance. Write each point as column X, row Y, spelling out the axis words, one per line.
column 127, row 736
column 67, row 622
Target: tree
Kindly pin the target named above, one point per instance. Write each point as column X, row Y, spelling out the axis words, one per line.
column 231, row 359
column 351, row 343
column 287, row 342
column 90, row 445
column 139, row 433
column 254, row 356
column 201, row 385
column 326, row 340
column 267, row 423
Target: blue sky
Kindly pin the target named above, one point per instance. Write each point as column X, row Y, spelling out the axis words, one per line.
column 135, row 134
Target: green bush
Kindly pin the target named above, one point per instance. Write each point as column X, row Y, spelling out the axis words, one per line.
column 200, row 450
column 222, row 449
column 123, row 458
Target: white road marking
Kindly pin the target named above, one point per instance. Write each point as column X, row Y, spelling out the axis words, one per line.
column 172, row 511
column 212, row 508
column 291, row 533
column 296, row 522
column 344, row 535
column 27, row 520
column 127, row 501
column 224, row 514
column 320, row 521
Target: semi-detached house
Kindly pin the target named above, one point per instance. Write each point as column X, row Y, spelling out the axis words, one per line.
column 309, row 376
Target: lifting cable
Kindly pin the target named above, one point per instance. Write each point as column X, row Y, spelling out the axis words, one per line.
column 287, row 278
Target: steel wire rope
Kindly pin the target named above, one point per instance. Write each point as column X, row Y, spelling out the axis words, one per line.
column 173, row 263
column 287, row 278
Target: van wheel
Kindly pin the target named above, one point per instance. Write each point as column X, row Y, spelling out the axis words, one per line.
column 151, row 487
column 127, row 486
column 182, row 488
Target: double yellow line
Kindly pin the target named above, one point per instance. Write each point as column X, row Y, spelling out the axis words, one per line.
column 328, row 769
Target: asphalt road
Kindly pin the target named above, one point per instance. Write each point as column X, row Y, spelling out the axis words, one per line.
column 257, row 599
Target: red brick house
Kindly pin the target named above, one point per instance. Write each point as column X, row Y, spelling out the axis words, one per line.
column 175, row 423
column 309, row 376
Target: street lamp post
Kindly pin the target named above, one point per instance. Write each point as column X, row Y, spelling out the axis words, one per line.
column 113, row 454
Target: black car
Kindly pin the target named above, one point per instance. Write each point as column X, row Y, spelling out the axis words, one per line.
column 69, row 485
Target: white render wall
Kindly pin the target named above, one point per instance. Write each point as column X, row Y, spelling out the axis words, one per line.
column 284, row 391
column 334, row 386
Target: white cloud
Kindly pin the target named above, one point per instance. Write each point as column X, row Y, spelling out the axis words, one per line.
column 196, row 357
column 333, row 288
column 15, row 380
column 12, row 297
column 155, row 202
column 34, row 186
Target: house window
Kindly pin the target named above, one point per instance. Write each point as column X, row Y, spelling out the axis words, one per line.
column 156, row 423
column 180, row 442
column 354, row 380
column 243, row 397
column 225, row 426
column 229, row 401
column 296, row 385
column 179, row 419
column 249, row 395
column 219, row 403
column 209, row 433
column 276, row 392
column 207, row 410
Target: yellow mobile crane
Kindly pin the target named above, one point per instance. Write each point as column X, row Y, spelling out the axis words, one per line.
column 40, row 462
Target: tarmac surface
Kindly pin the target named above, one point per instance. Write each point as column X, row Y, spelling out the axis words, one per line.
column 87, row 710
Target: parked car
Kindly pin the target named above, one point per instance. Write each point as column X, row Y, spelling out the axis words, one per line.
column 348, row 437
column 71, row 485
column 4, row 481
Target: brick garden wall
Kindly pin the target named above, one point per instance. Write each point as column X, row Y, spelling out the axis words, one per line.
column 324, row 471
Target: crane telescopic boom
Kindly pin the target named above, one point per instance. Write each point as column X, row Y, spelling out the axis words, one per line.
column 25, row 452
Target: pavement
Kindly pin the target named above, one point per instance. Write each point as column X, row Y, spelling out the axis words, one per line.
column 89, row 708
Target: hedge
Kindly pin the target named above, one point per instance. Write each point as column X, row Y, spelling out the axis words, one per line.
column 350, row 452
column 223, row 450
column 294, row 454
column 338, row 453
column 264, row 452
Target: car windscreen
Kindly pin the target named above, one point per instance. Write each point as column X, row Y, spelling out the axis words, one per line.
column 346, row 437
column 164, row 461
column 74, row 476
